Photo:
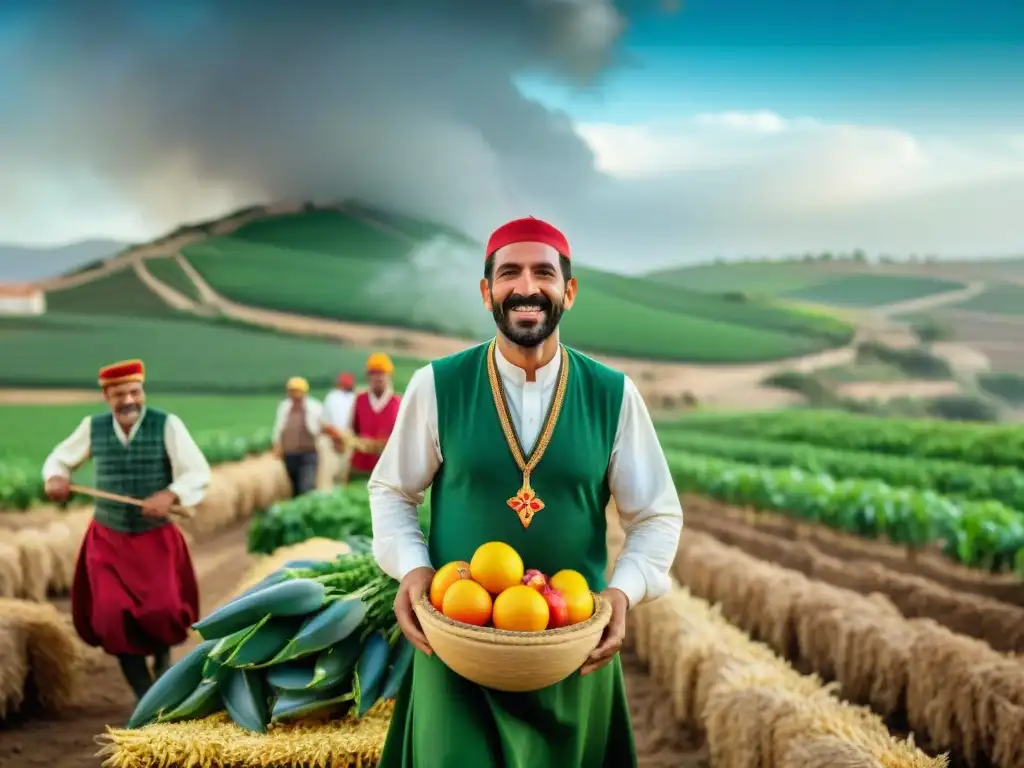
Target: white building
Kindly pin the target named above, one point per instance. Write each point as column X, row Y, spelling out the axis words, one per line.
column 21, row 299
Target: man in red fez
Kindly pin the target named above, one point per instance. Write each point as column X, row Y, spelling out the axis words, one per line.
column 522, row 440
column 134, row 592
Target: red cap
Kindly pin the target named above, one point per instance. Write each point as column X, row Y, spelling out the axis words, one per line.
column 346, row 380
column 122, row 372
column 528, row 230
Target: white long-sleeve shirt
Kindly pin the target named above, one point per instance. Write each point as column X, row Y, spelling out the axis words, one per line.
column 638, row 474
column 189, row 468
column 338, row 409
column 314, row 417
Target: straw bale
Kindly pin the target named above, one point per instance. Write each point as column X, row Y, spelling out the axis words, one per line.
column 216, row 511
column 271, row 481
column 10, row 570
column 36, row 563
column 63, row 552
column 54, row 651
column 216, row 742
column 15, row 664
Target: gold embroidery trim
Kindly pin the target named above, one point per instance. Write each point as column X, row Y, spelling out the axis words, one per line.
column 526, row 503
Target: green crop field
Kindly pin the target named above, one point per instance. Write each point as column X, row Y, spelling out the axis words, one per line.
column 167, row 270
column 328, row 264
column 754, row 278
column 120, row 293
column 872, row 290
column 31, row 431
column 998, row 299
column 182, row 355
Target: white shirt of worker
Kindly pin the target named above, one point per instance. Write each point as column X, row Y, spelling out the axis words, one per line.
column 338, row 408
column 314, row 417
column 638, row 474
column 189, row 467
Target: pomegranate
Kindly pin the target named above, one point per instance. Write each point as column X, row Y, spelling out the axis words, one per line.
column 534, row 579
column 558, row 610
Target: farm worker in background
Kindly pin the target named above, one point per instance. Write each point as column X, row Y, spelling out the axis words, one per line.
column 522, row 416
column 297, row 425
column 337, row 417
column 134, row 592
column 375, row 411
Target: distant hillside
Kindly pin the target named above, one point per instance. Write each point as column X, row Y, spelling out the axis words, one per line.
column 26, row 263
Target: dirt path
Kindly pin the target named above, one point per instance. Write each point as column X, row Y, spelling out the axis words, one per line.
column 888, row 390
column 932, row 301
column 164, row 292
column 49, row 396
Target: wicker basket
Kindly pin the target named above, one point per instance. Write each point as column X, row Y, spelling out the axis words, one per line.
column 512, row 661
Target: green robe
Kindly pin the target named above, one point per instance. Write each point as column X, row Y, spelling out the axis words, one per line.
column 442, row 720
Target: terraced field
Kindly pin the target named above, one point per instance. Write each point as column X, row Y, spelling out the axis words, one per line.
column 330, row 264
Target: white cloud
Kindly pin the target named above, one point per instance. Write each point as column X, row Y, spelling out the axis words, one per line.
column 759, row 182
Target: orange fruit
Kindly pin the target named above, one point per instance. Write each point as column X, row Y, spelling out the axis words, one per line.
column 496, row 566
column 468, row 602
column 569, row 581
column 580, row 604
column 444, row 578
column 520, row 609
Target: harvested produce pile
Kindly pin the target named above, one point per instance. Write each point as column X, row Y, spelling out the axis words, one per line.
column 755, row 709
column 216, row 741
column 957, row 479
column 343, row 513
column 981, row 534
column 21, row 484
column 981, row 444
column 998, row 624
column 37, row 644
column 956, row 692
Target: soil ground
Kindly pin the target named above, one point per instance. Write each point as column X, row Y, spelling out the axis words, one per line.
column 33, row 741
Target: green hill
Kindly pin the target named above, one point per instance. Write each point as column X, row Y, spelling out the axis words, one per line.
column 329, row 263
column 117, row 317
column 811, row 282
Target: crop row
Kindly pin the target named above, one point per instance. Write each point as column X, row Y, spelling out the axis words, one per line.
column 21, row 483
column 980, row 534
column 952, row 478
column 970, row 443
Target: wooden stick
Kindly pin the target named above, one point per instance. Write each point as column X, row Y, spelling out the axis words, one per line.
column 182, row 512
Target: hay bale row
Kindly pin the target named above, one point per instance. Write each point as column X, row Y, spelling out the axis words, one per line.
column 955, row 692
column 929, row 564
column 37, row 561
column 238, row 490
column 755, row 710
column 999, row 624
column 37, row 644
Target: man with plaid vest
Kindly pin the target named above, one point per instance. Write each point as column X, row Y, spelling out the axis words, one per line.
column 134, row 592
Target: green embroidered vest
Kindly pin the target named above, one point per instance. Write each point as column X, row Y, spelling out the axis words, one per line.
column 478, row 474
column 139, row 469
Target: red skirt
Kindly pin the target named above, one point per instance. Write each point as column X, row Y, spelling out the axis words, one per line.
column 134, row 593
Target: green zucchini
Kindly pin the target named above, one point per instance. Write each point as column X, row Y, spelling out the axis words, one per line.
column 370, row 671
column 203, row 701
column 335, row 664
column 331, row 625
column 173, row 687
column 295, row 597
column 398, row 667
column 265, row 643
column 291, row 676
column 245, row 699
column 291, row 705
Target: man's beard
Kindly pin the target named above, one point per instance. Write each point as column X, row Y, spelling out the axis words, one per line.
column 528, row 335
column 128, row 413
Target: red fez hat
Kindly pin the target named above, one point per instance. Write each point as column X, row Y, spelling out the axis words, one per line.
column 346, row 380
column 528, row 230
column 122, row 373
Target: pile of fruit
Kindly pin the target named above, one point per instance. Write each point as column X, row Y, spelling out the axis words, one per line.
column 495, row 589
column 311, row 639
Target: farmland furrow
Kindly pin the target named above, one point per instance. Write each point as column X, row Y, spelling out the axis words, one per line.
column 999, row 624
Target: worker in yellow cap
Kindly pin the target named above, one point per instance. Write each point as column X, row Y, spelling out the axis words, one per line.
column 374, row 414
column 296, row 427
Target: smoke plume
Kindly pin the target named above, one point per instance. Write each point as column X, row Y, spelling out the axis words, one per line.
column 183, row 106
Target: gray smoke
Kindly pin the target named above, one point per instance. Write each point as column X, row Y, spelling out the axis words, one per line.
column 410, row 103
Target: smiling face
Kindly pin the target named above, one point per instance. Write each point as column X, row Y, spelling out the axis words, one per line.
column 126, row 401
column 526, row 288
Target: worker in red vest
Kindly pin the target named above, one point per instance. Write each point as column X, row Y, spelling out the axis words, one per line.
column 373, row 415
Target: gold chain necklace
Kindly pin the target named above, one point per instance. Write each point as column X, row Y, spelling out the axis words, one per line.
column 526, row 503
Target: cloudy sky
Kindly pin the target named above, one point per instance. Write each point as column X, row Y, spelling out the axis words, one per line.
column 721, row 128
